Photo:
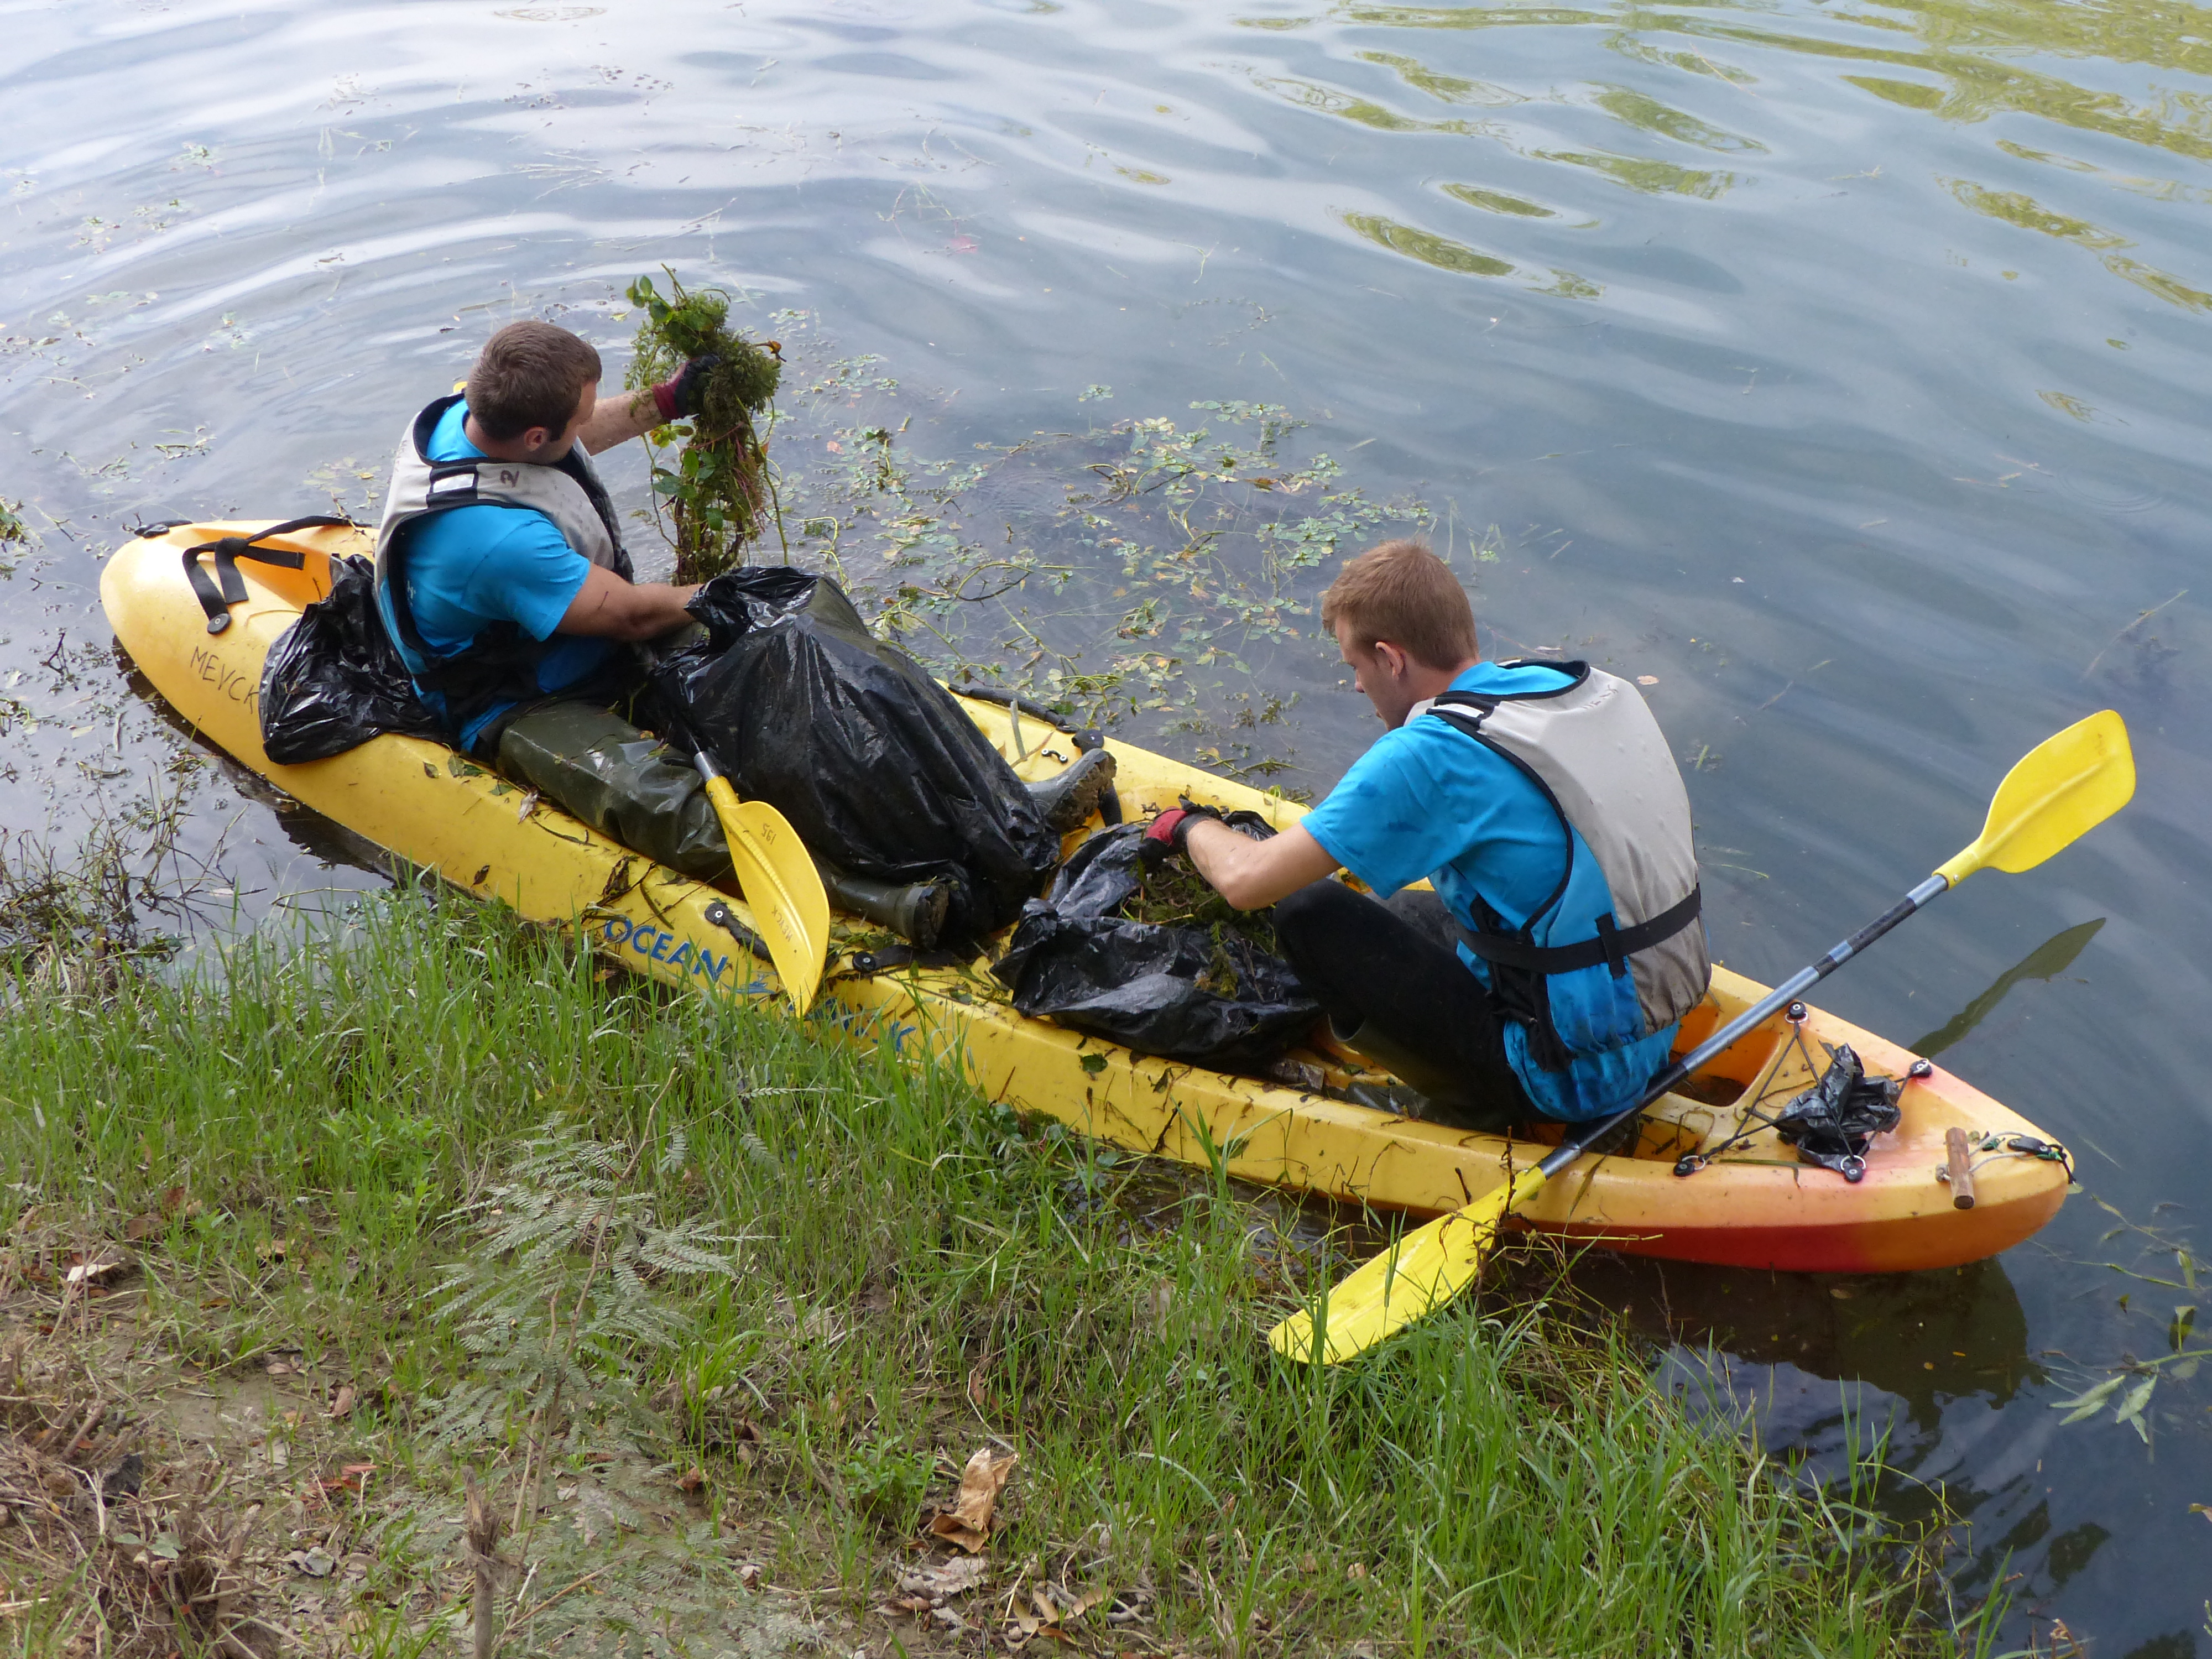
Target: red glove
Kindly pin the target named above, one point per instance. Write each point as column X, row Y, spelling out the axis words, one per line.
column 678, row 397
column 1171, row 831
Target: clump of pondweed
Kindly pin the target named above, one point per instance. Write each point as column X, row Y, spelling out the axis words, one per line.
column 1174, row 895
column 719, row 492
column 73, row 925
column 12, row 528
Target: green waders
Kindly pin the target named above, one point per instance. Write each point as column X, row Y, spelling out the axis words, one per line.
column 627, row 785
column 635, row 790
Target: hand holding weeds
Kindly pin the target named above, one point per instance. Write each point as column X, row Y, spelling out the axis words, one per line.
column 1170, row 832
column 715, row 487
column 682, row 394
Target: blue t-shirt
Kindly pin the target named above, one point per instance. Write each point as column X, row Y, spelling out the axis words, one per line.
column 1430, row 801
column 471, row 567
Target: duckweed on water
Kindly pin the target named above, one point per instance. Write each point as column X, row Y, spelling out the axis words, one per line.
column 718, row 493
column 1126, row 574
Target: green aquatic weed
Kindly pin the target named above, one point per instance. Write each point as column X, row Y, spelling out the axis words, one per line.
column 1175, row 896
column 718, row 491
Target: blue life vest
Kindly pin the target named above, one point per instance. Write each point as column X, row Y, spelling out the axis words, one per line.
column 501, row 665
column 1582, row 983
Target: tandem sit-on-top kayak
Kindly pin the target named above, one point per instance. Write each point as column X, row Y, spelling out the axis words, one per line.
column 1746, row 1200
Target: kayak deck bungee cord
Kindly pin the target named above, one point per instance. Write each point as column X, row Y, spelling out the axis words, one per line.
column 1710, row 1178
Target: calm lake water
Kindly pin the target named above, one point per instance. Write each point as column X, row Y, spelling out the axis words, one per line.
column 1841, row 367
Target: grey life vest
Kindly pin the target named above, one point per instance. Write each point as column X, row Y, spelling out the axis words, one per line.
column 501, row 664
column 1594, row 750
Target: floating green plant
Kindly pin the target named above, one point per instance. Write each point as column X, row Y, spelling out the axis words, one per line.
column 718, row 493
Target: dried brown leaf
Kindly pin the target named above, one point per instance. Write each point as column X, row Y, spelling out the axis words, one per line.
column 342, row 1402
column 350, row 1478
column 968, row 1523
column 1082, row 1604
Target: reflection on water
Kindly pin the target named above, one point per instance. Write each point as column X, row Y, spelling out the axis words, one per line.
column 1635, row 109
column 1975, row 51
column 1329, row 101
column 1426, row 246
column 1925, row 1338
column 1497, row 201
column 1645, row 173
column 1839, row 369
column 2014, row 208
column 2047, row 961
column 1451, row 88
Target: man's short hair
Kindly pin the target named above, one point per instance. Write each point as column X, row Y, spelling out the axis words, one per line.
column 1402, row 592
column 530, row 373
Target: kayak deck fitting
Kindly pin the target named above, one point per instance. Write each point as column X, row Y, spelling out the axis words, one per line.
column 1751, row 1203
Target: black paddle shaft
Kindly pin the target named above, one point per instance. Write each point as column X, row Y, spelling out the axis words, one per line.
column 1788, row 990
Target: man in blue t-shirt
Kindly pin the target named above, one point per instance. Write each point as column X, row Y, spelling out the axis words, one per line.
column 502, row 581
column 1500, row 995
column 516, row 573
column 507, row 591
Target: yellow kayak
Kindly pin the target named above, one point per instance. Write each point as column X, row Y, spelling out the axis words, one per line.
column 1753, row 1205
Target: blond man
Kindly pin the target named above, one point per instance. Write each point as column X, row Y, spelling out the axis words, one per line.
column 1544, row 974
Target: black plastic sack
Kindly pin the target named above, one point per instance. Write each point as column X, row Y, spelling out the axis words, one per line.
column 1832, row 1123
column 871, row 759
column 1076, row 958
column 334, row 680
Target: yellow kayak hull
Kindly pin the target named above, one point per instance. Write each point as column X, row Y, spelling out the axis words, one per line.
column 1755, row 1206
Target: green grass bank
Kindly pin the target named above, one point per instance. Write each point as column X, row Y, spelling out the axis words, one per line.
column 715, row 1308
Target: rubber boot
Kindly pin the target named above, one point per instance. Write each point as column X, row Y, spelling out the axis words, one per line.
column 1443, row 1099
column 915, row 913
column 1072, row 796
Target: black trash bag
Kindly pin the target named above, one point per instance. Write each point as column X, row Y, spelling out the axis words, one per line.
column 334, row 680
column 876, row 766
column 1078, row 959
column 1831, row 1123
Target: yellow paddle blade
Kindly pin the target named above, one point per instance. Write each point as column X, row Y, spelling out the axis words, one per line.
column 781, row 886
column 1422, row 1271
column 2063, row 787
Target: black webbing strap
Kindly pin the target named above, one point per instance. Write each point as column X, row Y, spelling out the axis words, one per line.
column 1612, row 946
column 217, row 594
